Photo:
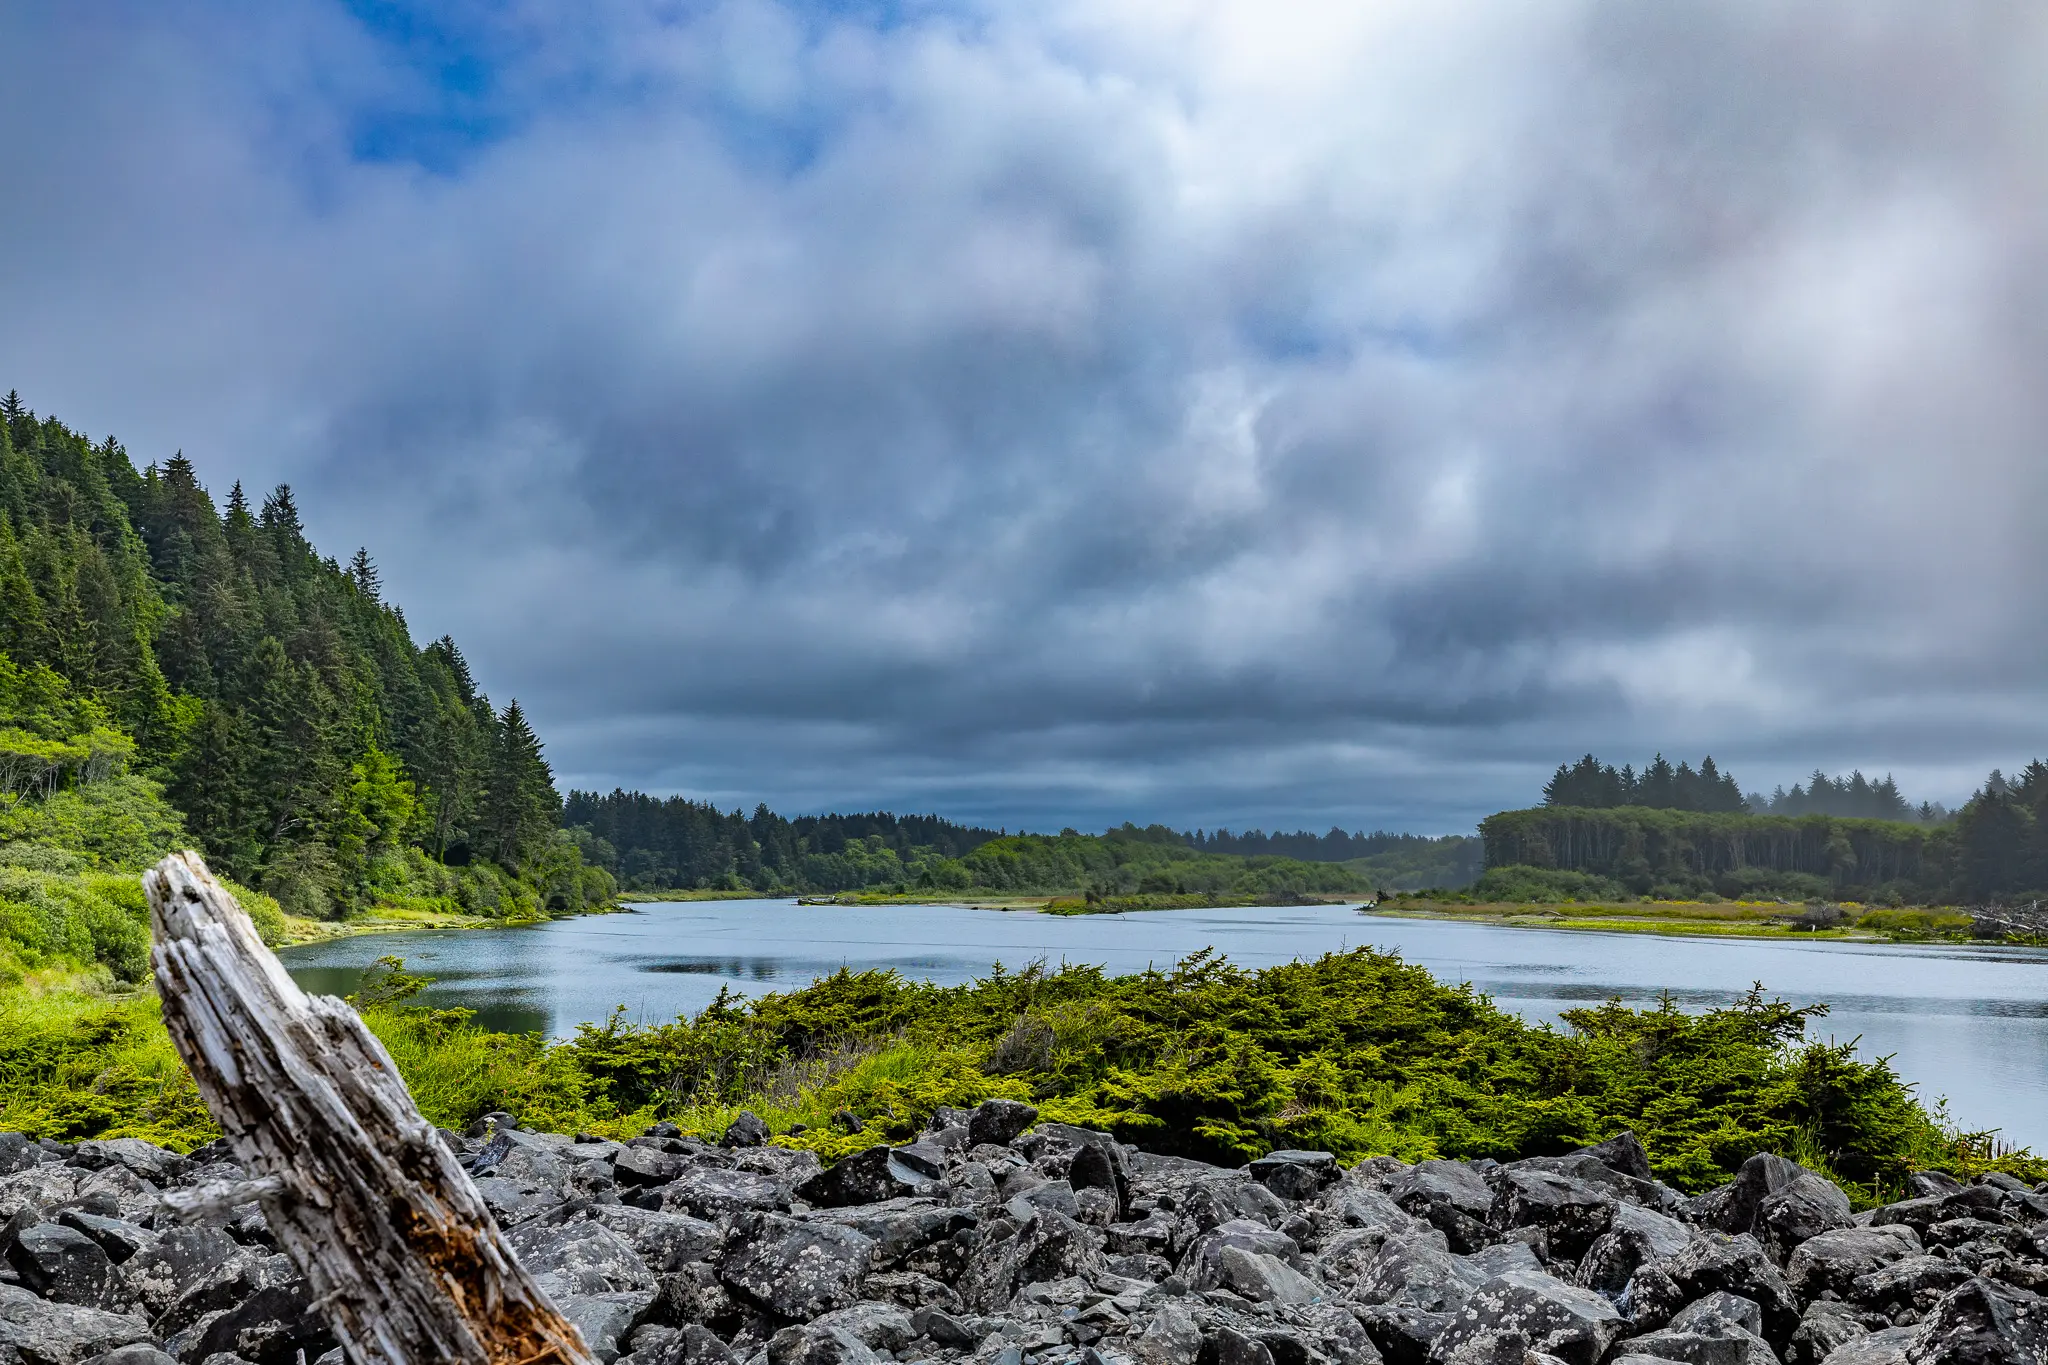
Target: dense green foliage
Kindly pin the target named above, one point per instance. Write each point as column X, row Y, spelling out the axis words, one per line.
column 1130, row 860
column 1676, row 854
column 1996, row 849
column 1359, row 1053
column 311, row 748
column 1400, row 862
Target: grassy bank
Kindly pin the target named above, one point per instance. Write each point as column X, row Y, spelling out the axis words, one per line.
column 1744, row 919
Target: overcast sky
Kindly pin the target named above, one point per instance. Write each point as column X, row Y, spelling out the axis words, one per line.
column 1076, row 410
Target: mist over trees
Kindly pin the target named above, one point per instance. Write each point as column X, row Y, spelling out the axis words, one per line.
column 1854, row 796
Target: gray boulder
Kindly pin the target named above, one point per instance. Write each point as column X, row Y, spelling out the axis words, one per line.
column 1887, row 1346
column 1828, row 1326
column 163, row 1272
column 1983, row 1322
column 1049, row 1246
column 1211, row 1203
column 118, row 1237
column 43, row 1333
column 605, row 1320
column 710, row 1192
column 663, row 1241
column 17, row 1153
column 141, row 1353
column 794, row 1269
column 581, row 1257
column 1171, row 1338
column 866, row 1177
column 1779, row 1201
column 1573, row 1213
column 1418, row 1273
column 1832, row 1261
column 1622, row 1153
column 999, row 1122
column 879, row 1326
column 271, row 1326
column 63, row 1265
column 1720, row 1313
column 1450, row 1196
column 1202, row 1265
column 1539, row 1312
column 1914, row 1283
column 813, row 1345
column 1265, row 1278
column 1637, row 1237
column 1228, row 1346
column 748, row 1130
column 1714, row 1261
column 1294, row 1174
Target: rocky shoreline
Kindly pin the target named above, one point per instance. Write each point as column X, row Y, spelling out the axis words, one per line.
column 996, row 1240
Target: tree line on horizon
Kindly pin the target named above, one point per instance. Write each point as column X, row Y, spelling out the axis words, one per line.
column 1590, row 784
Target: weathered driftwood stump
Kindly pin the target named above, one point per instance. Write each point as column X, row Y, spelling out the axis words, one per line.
column 359, row 1189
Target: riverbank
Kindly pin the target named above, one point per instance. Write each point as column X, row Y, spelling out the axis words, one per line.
column 1720, row 919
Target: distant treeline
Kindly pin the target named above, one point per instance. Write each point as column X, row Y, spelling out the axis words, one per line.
column 1590, row 784
column 1855, row 796
column 1333, row 847
column 1996, row 849
column 657, row 843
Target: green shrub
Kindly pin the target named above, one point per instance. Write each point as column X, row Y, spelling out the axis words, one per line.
column 1543, row 886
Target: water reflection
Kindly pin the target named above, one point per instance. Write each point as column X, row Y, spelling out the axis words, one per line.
column 1962, row 1022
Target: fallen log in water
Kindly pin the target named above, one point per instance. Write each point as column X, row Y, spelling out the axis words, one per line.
column 401, row 1253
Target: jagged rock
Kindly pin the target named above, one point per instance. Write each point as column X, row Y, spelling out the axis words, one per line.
column 1573, row 1213
column 1418, row 1273
column 811, row 1345
column 1401, row 1333
column 1831, row 1261
column 1171, row 1338
column 636, row 1167
column 879, row 1326
column 1449, row 1195
column 163, row 1272
column 1348, row 1206
column 911, row 1290
column 1623, row 1153
column 927, row 1159
column 710, row 1192
column 1211, row 1203
column 1265, row 1278
column 1100, row 1166
column 695, row 1294
column 748, row 1130
column 794, row 1269
column 605, row 1320
column 1931, row 1184
column 1884, row 1347
column 44, row 1333
column 118, row 1237
column 691, row 1345
column 866, row 1177
column 583, row 1257
column 1828, row 1326
column 141, row 1353
column 1053, row 1195
column 269, row 1327
column 1228, row 1346
column 1718, row 1313
column 1637, row 1237
column 1779, row 1201
column 147, row 1160
column 1715, row 1261
column 1202, row 1265
column 999, row 1122
column 901, row 1228
column 1720, row 1329
column 62, row 1264
column 17, row 1153
column 1913, row 1283
column 1983, row 1322
column 1048, row 1246
column 1691, row 1348
column 1296, row 1174
column 663, row 1241
column 1539, row 1311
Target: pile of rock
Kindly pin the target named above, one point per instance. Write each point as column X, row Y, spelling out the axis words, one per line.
column 991, row 1241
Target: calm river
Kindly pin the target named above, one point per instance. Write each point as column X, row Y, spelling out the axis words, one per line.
column 1969, row 1024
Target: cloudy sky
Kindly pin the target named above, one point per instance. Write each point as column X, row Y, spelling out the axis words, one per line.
column 1078, row 410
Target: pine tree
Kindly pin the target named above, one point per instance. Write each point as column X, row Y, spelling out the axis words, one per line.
column 362, row 571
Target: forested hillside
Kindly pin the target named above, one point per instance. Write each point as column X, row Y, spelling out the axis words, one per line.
column 1400, row 862
column 159, row 647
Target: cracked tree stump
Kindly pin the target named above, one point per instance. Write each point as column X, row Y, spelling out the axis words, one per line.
column 402, row 1256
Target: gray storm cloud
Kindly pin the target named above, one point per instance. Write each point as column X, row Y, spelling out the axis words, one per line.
column 1068, row 413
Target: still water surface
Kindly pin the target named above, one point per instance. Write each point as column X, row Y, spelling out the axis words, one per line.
column 1969, row 1024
